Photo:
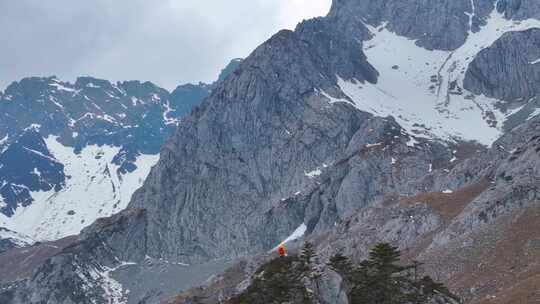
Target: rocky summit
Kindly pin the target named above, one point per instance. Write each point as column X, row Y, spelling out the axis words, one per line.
column 408, row 122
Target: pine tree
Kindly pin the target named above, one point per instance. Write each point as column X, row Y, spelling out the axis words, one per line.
column 277, row 281
column 342, row 265
column 383, row 280
column 310, row 268
column 359, row 281
column 430, row 289
column 307, row 259
column 308, row 254
column 380, row 279
column 384, row 258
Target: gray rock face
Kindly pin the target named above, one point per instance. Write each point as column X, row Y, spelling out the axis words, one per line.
column 248, row 146
column 519, row 9
column 18, row 166
column 414, row 19
column 375, row 167
column 509, row 69
column 332, row 289
column 7, row 244
column 334, row 46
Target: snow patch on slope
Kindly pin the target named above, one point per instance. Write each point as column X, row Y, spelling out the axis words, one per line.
column 534, row 114
column 423, row 89
column 114, row 291
column 168, row 120
column 298, row 233
column 93, row 189
column 314, row 173
column 3, row 143
column 17, row 238
column 100, row 276
column 60, row 87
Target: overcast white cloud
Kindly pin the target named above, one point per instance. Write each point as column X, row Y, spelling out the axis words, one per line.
column 165, row 41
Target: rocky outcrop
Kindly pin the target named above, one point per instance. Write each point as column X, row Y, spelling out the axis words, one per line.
column 509, row 69
column 27, row 165
column 519, row 9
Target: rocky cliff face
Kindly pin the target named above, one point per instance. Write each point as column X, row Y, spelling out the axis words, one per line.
column 298, row 138
column 28, row 166
column 268, row 116
column 508, row 69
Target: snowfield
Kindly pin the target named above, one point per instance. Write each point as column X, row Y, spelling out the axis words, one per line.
column 423, row 89
column 298, row 233
column 93, row 190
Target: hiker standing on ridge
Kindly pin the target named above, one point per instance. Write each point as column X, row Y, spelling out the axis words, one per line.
column 281, row 250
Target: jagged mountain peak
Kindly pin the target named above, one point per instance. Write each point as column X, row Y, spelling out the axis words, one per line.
column 140, row 89
column 231, row 66
column 91, row 82
column 30, row 87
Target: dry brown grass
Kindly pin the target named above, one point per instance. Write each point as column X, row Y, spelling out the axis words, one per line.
column 526, row 291
column 508, row 269
column 449, row 205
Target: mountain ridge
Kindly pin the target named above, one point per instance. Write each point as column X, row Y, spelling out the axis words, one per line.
column 99, row 138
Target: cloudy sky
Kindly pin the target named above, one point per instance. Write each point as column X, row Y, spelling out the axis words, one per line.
column 165, row 41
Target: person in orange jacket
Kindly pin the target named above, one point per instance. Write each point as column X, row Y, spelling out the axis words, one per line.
column 281, row 250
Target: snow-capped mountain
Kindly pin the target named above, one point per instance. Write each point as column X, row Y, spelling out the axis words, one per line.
column 433, row 93
column 409, row 122
column 72, row 153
